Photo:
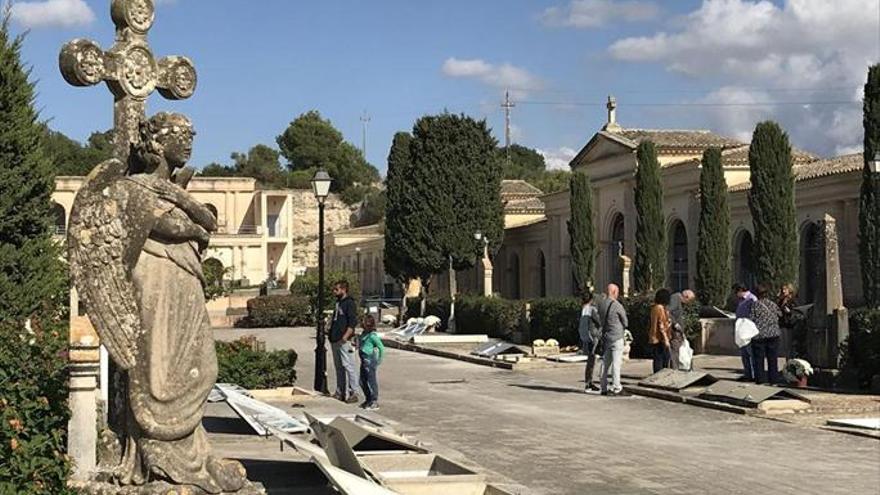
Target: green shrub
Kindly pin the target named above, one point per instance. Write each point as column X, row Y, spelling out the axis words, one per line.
column 278, row 311
column 638, row 312
column 555, row 318
column 495, row 316
column 33, row 409
column 307, row 286
column 861, row 352
column 245, row 363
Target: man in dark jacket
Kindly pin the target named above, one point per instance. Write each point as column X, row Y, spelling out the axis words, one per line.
column 590, row 333
column 341, row 332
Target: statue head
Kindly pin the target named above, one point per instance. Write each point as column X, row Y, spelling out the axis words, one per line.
column 165, row 141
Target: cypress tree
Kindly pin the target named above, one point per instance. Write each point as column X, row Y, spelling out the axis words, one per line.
column 581, row 232
column 771, row 201
column 31, row 275
column 455, row 187
column 399, row 212
column 649, row 269
column 713, row 249
column 869, row 206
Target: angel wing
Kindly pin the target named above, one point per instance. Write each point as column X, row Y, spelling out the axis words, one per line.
column 100, row 249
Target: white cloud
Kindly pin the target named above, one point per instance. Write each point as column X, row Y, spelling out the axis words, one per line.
column 598, row 13
column 799, row 51
column 52, row 13
column 502, row 76
column 559, row 158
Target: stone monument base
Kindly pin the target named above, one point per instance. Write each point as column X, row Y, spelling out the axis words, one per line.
column 155, row 488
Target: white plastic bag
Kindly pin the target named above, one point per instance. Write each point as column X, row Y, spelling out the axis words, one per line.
column 745, row 332
column 685, row 356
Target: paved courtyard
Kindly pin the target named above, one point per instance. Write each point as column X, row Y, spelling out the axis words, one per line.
column 538, row 429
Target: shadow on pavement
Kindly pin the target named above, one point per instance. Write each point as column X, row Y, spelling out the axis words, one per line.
column 287, row 477
column 233, row 426
column 549, row 388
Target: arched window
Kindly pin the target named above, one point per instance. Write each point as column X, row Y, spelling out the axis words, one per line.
column 811, row 256
column 678, row 257
column 615, row 273
column 60, row 217
column 513, row 276
column 744, row 261
column 542, row 274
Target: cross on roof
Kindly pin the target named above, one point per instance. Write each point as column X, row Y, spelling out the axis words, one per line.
column 129, row 68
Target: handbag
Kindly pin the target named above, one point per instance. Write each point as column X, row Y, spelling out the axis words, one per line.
column 745, row 331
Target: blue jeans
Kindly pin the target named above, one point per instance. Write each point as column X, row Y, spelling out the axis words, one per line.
column 748, row 362
column 369, row 380
column 661, row 356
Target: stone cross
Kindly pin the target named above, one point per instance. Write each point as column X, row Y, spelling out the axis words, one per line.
column 129, row 69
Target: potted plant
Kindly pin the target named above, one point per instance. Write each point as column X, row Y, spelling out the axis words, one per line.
column 796, row 372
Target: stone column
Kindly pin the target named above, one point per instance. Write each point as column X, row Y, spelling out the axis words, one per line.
column 829, row 325
column 84, row 365
column 625, row 267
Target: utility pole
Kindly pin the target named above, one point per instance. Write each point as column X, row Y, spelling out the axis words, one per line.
column 507, row 106
column 365, row 119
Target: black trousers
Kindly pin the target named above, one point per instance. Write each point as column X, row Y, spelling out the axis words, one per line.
column 766, row 349
column 661, row 356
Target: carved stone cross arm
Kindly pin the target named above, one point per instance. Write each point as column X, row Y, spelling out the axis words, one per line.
column 129, row 69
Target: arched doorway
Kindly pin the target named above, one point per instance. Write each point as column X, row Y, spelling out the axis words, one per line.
column 60, row 217
column 513, row 276
column 744, row 261
column 542, row 274
column 678, row 257
column 616, row 239
column 811, row 257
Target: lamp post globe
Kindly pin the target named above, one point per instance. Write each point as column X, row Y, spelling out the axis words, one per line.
column 874, row 164
column 321, row 187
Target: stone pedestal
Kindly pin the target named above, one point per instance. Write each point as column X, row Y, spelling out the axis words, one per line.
column 487, row 276
column 82, row 436
column 625, row 269
column 828, row 326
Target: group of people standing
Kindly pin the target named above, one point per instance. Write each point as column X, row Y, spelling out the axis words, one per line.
column 769, row 317
column 369, row 347
column 602, row 329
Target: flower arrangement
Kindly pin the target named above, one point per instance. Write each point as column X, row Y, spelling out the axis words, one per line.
column 796, row 370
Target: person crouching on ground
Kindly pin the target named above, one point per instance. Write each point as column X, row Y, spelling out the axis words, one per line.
column 341, row 333
column 590, row 333
column 659, row 333
column 371, row 351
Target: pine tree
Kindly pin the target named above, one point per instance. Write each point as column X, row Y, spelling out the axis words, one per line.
column 31, row 275
column 771, row 201
column 869, row 209
column 649, row 269
column 581, row 231
column 713, row 250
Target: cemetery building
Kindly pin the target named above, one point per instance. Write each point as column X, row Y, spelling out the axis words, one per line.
column 261, row 231
column 534, row 260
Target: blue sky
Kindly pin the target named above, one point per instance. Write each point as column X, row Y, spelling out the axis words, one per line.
column 717, row 64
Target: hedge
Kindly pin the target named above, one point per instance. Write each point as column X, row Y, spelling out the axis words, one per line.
column 244, row 362
column 494, row 316
column 33, row 409
column 555, row 318
column 861, row 352
column 277, row 311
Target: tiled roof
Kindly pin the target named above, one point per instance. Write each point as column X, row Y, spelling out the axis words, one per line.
column 518, row 187
column 819, row 168
column 529, row 205
column 739, row 157
column 672, row 139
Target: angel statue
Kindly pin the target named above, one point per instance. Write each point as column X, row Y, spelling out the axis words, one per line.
column 136, row 239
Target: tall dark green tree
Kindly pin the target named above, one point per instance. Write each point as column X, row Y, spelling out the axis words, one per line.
column 33, row 381
column 869, row 205
column 649, row 269
column 713, row 248
column 262, row 163
column 457, row 180
column 581, row 231
column 311, row 142
column 771, row 201
column 400, row 213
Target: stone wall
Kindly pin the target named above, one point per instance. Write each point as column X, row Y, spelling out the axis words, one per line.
column 337, row 215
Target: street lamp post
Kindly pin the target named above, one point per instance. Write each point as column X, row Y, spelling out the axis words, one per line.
column 357, row 251
column 321, row 188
